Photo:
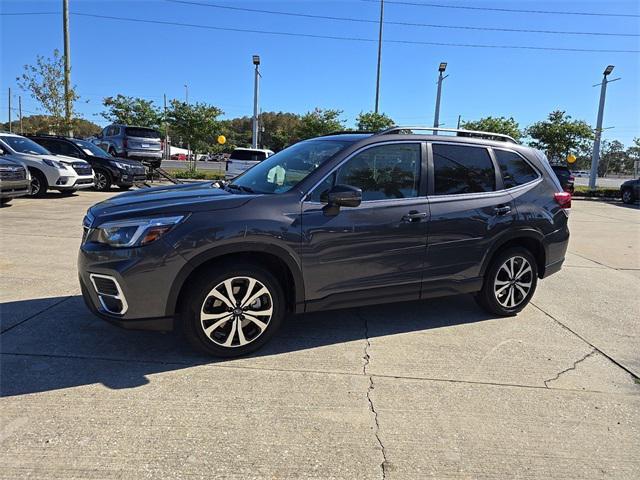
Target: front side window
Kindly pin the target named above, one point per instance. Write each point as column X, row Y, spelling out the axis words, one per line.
column 462, row 169
column 384, row 172
column 285, row 169
column 515, row 170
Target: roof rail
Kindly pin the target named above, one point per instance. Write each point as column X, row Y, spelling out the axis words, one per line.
column 464, row 133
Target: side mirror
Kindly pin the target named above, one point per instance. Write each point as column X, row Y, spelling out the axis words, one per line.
column 344, row 196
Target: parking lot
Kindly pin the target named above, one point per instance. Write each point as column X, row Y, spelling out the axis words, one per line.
column 434, row 389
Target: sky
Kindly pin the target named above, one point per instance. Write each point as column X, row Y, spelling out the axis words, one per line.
column 300, row 73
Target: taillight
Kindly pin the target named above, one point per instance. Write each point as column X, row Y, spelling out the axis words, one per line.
column 563, row 199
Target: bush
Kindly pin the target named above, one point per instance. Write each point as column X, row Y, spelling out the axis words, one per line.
column 196, row 174
column 600, row 192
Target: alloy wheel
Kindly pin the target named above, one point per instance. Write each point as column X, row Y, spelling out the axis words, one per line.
column 513, row 282
column 627, row 196
column 101, row 181
column 236, row 312
column 35, row 186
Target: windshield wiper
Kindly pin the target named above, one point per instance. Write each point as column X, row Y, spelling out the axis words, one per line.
column 242, row 188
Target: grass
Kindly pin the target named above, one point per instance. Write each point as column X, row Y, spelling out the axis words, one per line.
column 600, row 192
column 195, row 175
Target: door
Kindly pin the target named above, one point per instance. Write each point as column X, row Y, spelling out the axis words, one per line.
column 374, row 252
column 469, row 210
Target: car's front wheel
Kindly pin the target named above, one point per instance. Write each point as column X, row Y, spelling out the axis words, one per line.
column 509, row 282
column 627, row 196
column 38, row 183
column 102, row 182
column 233, row 310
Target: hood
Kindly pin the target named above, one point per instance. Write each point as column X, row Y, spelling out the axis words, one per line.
column 183, row 198
column 65, row 160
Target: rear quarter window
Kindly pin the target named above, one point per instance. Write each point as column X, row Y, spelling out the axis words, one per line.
column 514, row 169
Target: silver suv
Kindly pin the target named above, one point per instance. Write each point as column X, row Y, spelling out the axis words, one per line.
column 124, row 141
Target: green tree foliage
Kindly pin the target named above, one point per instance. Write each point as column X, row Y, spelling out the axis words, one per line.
column 45, row 83
column 131, row 111
column 278, row 130
column 559, row 135
column 373, row 122
column 319, row 122
column 503, row 125
column 47, row 124
column 613, row 158
column 195, row 124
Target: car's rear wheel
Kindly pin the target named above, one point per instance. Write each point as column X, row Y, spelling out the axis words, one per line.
column 38, row 183
column 627, row 196
column 509, row 282
column 233, row 311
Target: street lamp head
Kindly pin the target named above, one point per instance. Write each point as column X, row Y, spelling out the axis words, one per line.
column 256, row 59
column 442, row 67
column 608, row 70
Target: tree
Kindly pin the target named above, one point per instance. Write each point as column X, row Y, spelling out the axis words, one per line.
column 559, row 135
column 45, row 83
column 195, row 124
column 319, row 122
column 131, row 111
column 613, row 158
column 373, row 122
column 633, row 153
column 503, row 125
column 46, row 124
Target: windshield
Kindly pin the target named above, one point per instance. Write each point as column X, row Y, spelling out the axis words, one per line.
column 141, row 132
column 91, row 149
column 283, row 170
column 24, row 145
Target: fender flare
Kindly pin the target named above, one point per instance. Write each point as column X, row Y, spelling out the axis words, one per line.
column 529, row 233
column 282, row 253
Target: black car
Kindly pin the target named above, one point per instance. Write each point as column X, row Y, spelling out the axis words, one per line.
column 630, row 191
column 565, row 176
column 108, row 170
column 338, row 221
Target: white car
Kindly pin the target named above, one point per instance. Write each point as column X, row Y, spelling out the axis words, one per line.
column 48, row 171
column 243, row 159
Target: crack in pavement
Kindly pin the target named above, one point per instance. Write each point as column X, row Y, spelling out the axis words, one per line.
column 367, row 359
column 573, row 367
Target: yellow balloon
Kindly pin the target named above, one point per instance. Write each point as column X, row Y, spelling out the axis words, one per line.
column 571, row 158
column 222, row 139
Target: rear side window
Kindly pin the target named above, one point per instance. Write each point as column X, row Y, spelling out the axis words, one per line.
column 515, row 170
column 141, row 132
column 461, row 169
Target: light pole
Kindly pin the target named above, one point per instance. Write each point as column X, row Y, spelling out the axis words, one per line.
column 256, row 86
column 595, row 158
column 67, row 66
column 186, row 98
column 436, row 117
column 379, row 56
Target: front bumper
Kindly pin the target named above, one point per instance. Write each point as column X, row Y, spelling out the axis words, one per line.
column 14, row 188
column 73, row 183
column 144, row 277
column 130, row 179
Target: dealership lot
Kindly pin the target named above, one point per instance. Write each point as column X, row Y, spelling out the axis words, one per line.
column 419, row 390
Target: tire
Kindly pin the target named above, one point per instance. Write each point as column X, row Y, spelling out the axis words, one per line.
column 627, row 196
column 224, row 320
column 505, row 293
column 39, row 184
column 102, row 181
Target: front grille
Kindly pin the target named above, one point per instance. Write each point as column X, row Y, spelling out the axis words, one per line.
column 82, row 168
column 13, row 173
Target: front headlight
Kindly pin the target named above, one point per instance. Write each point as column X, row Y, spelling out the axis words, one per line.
column 121, row 166
column 133, row 233
column 54, row 164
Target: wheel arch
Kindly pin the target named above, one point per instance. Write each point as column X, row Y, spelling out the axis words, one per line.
column 276, row 259
column 530, row 239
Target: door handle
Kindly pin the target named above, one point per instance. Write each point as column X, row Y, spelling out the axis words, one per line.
column 502, row 210
column 414, row 216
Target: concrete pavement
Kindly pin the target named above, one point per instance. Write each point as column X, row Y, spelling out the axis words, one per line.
column 435, row 389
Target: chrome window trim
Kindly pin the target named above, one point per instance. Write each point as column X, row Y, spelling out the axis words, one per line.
column 120, row 296
column 360, row 150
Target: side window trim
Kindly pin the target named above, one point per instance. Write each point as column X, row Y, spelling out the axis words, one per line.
column 422, row 173
column 522, row 157
column 432, row 183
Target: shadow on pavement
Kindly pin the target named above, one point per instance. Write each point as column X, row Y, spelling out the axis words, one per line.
column 67, row 346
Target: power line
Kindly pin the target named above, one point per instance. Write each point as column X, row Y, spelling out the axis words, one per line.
column 353, row 39
column 29, row 13
column 511, row 10
column 404, row 24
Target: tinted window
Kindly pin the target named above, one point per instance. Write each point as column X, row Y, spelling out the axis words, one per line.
column 141, row 132
column 60, row 148
column 461, row 169
column 248, row 155
column 384, row 172
column 563, row 173
column 515, row 170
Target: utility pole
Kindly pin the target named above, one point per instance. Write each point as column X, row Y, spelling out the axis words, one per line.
column 595, row 158
column 379, row 56
column 167, row 148
column 67, row 66
column 256, row 87
column 186, row 96
column 436, row 118
column 20, row 113
column 9, row 109
column 459, row 117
